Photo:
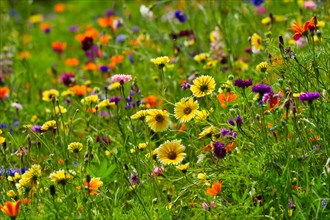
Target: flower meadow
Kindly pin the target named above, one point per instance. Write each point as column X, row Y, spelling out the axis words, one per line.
column 165, row 109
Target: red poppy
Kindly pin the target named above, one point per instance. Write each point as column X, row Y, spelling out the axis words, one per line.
column 300, row 31
column 4, row 92
column 226, row 97
column 216, row 188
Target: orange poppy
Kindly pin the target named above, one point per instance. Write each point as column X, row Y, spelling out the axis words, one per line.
column 59, row 7
column 44, row 26
column 115, row 60
column 230, row 146
column 58, row 46
column 104, row 39
column 226, row 97
column 11, row 208
column 80, row 90
column 90, row 66
column 4, row 92
column 216, row 188
column 299, row 31
column 71, row 62
column 109, row 22
column 152, row 101
column 26, row 201
column 206, row 148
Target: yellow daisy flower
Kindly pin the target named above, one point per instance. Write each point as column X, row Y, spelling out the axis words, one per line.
column 202, row 86
column 60, row 109
column 207, row 131
column 171, row 152
column 202, row 57
column 60, row 177
column 256, row 43
column 186, row 109
column 75, row 147
column 157, row 119
column 140, row 114
column 48, row 124
column 202, row 115
column 160, row 61
column 49, row 94
column 183, row 167
column 263, row 66
column 90, row 99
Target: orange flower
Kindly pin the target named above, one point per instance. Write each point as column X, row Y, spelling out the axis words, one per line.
column 80, row 90
column 109, row 22
column 11, row 208
column 90, row 66
column 182, row 127
column 151, row 101
column 4, row 92
column 115, row 60
column 105, row 38
column 226, row 97
column 302, row 31
column 230, row 146
column 216, row 188
column 72, row 62
column 133, row 42
column 24, row 55
column 206, row 148
column 26, row 201
column 45, row 27
column 58, row 46
column 59, row 7
column 93, row 185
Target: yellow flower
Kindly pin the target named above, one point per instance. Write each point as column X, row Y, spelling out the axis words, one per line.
column 210, row 64
column 207, row 131
column 2, row 140
column 24, row 55
column 49, row 94
column 296, row 95
column 142, row 146
column 60, row 109
column 256, row 43
column 171, row 152
column 140, row 114
column 75, row 147
column 48, row 124
column 14, row 178
column 106, row 103
column 37, row 18
column 202, row 57
column 240, row 65
column 152, row 154
column 266, row 20
column 67, row 93
column 183, row 167
column 263, row 66
column 30, row 177
column 114, row 85
column 60, row 177
column 202, row 115
column 202, row 86
column 201, row 176
column 157, row 120
column 34, row 118
column 90, row 100
column 186, row 109
column 160, row 61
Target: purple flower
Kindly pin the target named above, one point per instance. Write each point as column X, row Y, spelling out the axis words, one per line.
column 109, row 13
column 291, row 205
column 219, row 150
column 266, row 97
column 262, row 89
column 120, row 38
column 68, row 79
column 180, row 16
column 135, row 29
column 104, row 69
column 86, row 43
column 74, row 28
column 185, row 86
column 309, row 96
column 243, row 83
column 257, row 2
column 104, row 139
column 224, row 132
column 134, row 179
column 92, row 52
column 238, row 120
column 258, row 200
column 115, row 99
column 36, row 128
column 206, row 206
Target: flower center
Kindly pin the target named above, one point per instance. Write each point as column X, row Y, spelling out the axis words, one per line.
column 187, row 110
column 159, row 118
column 172, row 155
column 204, row 88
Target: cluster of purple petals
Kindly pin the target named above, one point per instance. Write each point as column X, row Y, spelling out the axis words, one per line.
column 68, row 79
column 262, row 89
column 309, row 96
column 103, row 139
column 36, row 128
column 131, row 101
column 243, row 83
column 185, row 86
column 183, row 33
column 87, row 43
column 115, row 99
column 182, row 17
column 224, row 132
column 238, row 120
column 219, row 150
column 134, row 179
column 11, row 171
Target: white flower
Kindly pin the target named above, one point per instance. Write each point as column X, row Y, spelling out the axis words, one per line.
column 146, row 12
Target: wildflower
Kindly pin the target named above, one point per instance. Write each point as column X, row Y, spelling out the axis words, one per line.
column 146, row 11
column 238, row 121
column 226, row 97
column 4, row 92
column 60, row 177
column 90, row 66
column 48, row 124
column 11, row 208
column 256, row 43
column 11, row 193
column 201, row 176
column 309, row 96
column 261, row 89
column 59, row 7
column 80, row 90
column 186, row 109
column 30, row 177
column 15, row 178
column 24, row 55
column 120, row 38
column 17, row 106
column 48, row 95
column 68, row 79
column 60, row 109
column 58, row 46
column 157, row 171
column 160, row 61
column 202, row 115
column 90, row 100
column 202, row 86
column 216, row 188
column 257, row 2
column 302, row 31
column 207, row 132
column 114, row 85
column 183, row 167
column 258, row 200
column 157, row 120
column 243, row 83
column 202, row 57
column 263, row 66
column 210, row 64
column 171, row 152
column 151, row 101
column 71, row 62
column 141, row 146
column 93, row 185
column 105, row 103
column 182, row 17
column 140, row 114
column 115, row 99
column 121, row 78
column 134, row 179
column 75, row 147
column 219, row 150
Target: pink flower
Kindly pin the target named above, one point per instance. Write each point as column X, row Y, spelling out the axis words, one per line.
column 157, row 171
column 121, row 78
column 310, row 5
